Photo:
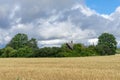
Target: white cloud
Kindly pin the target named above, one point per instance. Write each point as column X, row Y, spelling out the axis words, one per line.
column 53, row 22
column 52, row 42
column 107, row 17
column 93, row 41
column 7, row 38
column 118, row 10
column 84, row 9
column 15, row 9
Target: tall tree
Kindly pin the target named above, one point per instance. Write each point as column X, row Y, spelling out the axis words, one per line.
column 33, row 43
column 18, row 41
column 107, row 44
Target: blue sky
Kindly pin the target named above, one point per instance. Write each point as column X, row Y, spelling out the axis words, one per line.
column 103, row 6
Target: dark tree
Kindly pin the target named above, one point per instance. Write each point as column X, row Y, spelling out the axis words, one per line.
column 107, row 44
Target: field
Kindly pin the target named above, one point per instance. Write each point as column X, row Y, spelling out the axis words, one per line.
column 82, row 68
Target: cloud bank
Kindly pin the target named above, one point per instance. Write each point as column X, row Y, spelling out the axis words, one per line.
column 54, row 22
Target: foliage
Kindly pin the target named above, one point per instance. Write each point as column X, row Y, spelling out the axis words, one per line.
column 78, row 47
column 47, row 52
column 21, row 46
column 78, row 50
column 64, row 48
column 19, row 41
column 7, row 51
column 93, row 49
column 25, row 52
column 13, row 53
column 32, row 44
column 1, row 52
column 107, row 44
column 88, row 52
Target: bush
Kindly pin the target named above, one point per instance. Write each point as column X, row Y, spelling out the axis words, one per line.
column 48, row 52
column 25, row 52
column 7, row 51
column 88, row 52
column 104, row 50
column 13, row 53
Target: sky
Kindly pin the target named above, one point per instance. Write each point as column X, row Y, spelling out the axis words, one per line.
column 54, row 22
column 103, row 6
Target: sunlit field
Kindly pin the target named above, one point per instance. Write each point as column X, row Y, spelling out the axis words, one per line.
column 82, row 68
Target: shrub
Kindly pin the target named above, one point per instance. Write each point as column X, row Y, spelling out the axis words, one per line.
column 7, row 51
column 24, row 52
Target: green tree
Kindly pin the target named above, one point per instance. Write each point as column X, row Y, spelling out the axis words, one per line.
column 65, row 51
column 7, row 51
column 78, row 47
column 89, row 51
column 25, row 52
column 20, row 40
column 93, row 49
column 1, row 52
column 65, row 48
column 48, row 52
column 55, row 51
column 13, row 53
column 33, row 44
column 107, row 44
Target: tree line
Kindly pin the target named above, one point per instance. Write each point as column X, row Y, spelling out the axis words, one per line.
column 21, row 46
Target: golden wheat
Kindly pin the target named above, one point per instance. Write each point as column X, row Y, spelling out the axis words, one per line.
column 82, row 68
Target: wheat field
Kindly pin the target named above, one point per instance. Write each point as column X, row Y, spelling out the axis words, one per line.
column 82, row 68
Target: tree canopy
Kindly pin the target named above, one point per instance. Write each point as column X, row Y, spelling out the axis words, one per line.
column 107, row 44
column 18, row 41
column 21, row 46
